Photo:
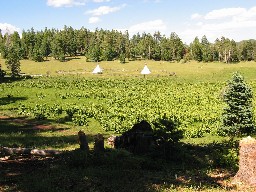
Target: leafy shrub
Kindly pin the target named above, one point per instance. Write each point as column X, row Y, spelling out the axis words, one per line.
column 226, row 158
column 80, row 119
column 226, row 155
column 167, row 133
column 167, row 129
column 56, row 109
column 23, row 110
column 194, row 133
column 40, row 112
column 71, row 110
column 230, row 158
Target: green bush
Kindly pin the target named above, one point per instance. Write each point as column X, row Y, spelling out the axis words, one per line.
column 168, row 129
column 40, row 112
column 226, row 156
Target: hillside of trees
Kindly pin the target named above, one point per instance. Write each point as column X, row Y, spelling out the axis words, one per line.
column 109, row 45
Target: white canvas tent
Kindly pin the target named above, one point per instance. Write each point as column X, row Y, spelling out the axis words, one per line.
column 145, row 70
column 97, row 70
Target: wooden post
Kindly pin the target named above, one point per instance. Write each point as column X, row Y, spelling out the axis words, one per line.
column 83, row 141
column 99, row 143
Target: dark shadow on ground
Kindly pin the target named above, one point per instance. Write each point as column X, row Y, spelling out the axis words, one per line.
column 10, row 99
column 24, row 132
column 72, row 58
column 26, row 126
column 189, row 166
column 115, row 170
column 9, row 79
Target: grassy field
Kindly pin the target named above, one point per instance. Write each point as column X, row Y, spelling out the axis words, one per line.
column 192, row 94
column 190, row 70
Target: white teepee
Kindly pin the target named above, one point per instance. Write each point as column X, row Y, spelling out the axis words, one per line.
column 97, row 70
column 145, row 70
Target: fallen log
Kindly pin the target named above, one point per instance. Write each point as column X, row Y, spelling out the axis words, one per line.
column 28, row 151
column 45, row 152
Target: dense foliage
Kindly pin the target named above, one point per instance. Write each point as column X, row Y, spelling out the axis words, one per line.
column 109, row 45
column 2, row 73
column 117, row 104
column 12, row 62
column 238, row 117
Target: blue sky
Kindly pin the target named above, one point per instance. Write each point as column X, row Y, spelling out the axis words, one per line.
column 234, row 19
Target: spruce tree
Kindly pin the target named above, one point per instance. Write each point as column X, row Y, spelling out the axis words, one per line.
column 13, row 62
column 237, row 117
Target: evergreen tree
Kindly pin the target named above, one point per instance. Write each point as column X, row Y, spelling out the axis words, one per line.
column 134, row 50
column 2, row 46
column 196, row 50
column 127, row 44
column 69, row 41
column 247, row 51
column 94, row 53
column 176, row 47
column 15, row 42
column 237, row 117
column 12, row 62
column 108, row 50
column 234, row 53
column 122, row 51
column 29, row 39
column 144, row 45
column 58, row 46
column 165, row 49
column 206, row 50
column 37, row 53
column 46, row 43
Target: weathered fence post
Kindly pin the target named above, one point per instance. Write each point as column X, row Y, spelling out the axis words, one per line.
column 99, row 143
column 83, row 141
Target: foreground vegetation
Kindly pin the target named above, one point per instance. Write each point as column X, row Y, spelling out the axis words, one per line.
column 47, row 112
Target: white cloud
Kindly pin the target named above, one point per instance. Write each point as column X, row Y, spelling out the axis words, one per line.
column 100, row 1
column 223, row 13
column 234, row 23
column 94, row 19
column 8, row 28
column 147, row 27
column 154, row 1
column 199, row 24
column 65, row 3
column 196, row 16
column 104, row 10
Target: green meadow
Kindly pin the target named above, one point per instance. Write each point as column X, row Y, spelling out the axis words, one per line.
column 217, row 71
column 47, row 111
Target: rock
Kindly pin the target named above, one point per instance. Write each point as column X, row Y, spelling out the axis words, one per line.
column 111, row 141
column 139, row 139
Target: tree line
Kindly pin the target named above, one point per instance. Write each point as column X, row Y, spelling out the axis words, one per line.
column 107, row 45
